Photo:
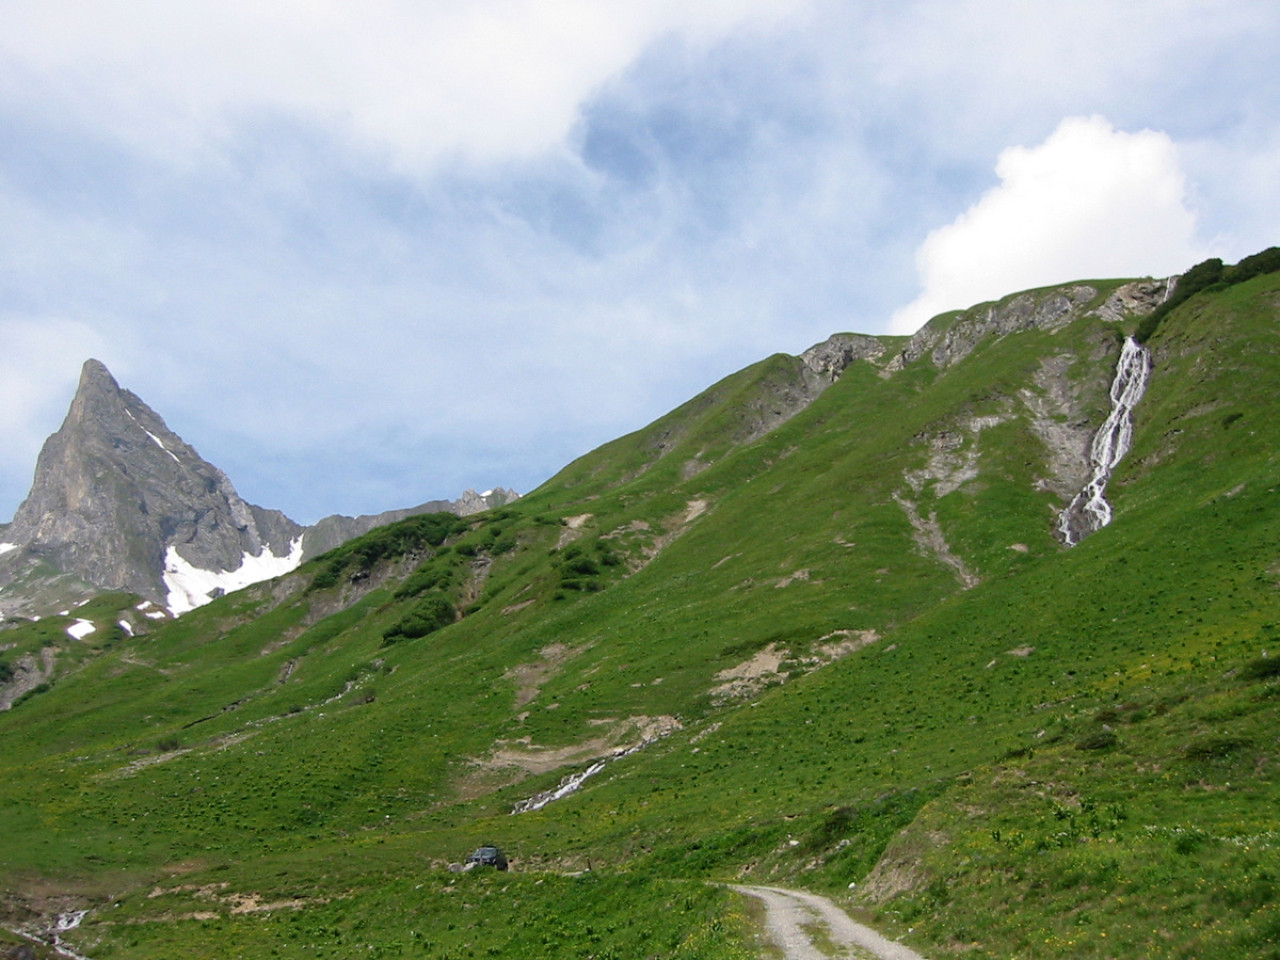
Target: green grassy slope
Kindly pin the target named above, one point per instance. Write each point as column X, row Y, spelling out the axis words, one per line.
column 1029, row 751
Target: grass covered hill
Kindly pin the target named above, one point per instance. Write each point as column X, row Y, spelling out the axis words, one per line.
column 813, row 627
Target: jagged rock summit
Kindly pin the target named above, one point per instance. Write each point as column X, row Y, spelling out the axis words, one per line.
column 121, row 502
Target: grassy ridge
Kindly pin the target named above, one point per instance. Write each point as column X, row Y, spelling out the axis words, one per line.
column 1079, row 741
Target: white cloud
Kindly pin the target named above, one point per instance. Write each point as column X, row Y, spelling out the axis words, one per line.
column 486, row 79
column 1091, row 201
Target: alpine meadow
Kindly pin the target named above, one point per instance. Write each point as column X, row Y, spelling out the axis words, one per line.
column 824, row 626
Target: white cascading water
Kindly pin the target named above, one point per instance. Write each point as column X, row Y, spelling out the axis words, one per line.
column 65, row 922
column 1089, row 511
column 568, row 785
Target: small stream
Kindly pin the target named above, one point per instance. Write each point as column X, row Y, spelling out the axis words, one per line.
column 52, row 936
column 571, row 783
column 1089, row 511
column 568, row 785
column 65, row 922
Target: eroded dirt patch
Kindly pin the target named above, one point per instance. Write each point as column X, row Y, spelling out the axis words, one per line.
column 751, row 676
column 512, row 760
column 789, row 579
column 573, row 527
column 642, row 545
column 927, row 533
column 766, row 667
column 529, row 677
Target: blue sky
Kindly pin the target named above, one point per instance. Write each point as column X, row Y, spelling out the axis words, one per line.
column 362, row 256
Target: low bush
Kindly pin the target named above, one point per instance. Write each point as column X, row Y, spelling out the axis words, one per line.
column 1267, row 261
column 427, row 616
column 385, row 543
column 1263, row 668
column 1208, row 275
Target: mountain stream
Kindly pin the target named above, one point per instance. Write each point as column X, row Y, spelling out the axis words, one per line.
column 1089, row 511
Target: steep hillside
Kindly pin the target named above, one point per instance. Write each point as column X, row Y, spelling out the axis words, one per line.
column 817, row 626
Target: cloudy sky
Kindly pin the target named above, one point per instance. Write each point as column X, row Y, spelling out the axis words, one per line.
column 365, row 255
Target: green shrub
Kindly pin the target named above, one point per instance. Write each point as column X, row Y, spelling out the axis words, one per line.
column 1216, row 748
column 1264, row 668
column 1267, row 261
column 424, row 579
column 35, row 691
column 1098, row 740
column 427, row 616
column 385, row 543
column 326, row 577
column 582, row 567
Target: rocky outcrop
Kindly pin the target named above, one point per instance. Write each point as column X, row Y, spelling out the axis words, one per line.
column 26, row 674
column 1135, row 299
column 833, row 356
column 945, row 343
column 1034, row 310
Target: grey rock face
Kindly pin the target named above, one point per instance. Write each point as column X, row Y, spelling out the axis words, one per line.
column 471, row 502
column 115, row 488
column 833, row 356
column 1026, row 311
column 1033, row 310
column 29, row 671
column 1136, row 299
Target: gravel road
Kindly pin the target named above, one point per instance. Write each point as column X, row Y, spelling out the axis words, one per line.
column 789, row 912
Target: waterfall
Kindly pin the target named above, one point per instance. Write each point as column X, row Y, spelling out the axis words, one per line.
column 1089, row 511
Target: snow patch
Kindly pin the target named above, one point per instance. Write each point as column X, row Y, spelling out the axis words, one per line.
column 80, row 629
column 6, row 547
column 160, row 444
column 127, row 627
column 190, row 587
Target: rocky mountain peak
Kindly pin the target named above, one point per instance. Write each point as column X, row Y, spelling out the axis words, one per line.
column 121, row 501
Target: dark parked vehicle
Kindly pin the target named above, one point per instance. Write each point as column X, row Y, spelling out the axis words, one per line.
column 487, row 857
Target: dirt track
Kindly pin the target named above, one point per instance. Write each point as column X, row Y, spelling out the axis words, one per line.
column 790, row 912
